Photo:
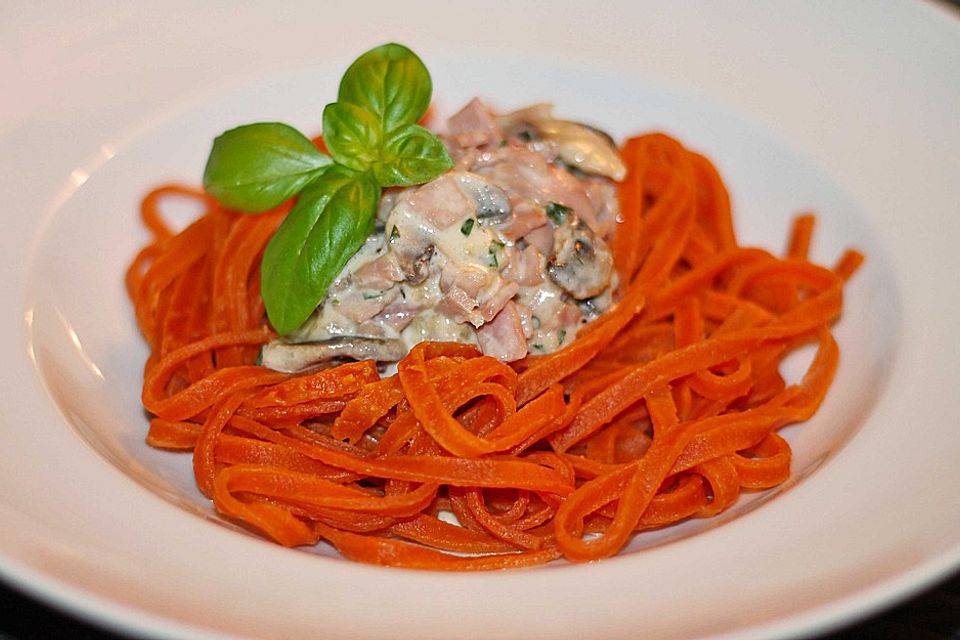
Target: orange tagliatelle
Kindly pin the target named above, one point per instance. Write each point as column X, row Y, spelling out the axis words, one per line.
column 663, row 409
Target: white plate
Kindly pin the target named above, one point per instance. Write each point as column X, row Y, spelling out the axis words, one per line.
column 849, row 110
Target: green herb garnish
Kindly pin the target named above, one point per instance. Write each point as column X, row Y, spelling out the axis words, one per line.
column 557, row 212
column 467, row 227
column 495, row 246
column 374, row 142
column 256, row 167
column 561, row 336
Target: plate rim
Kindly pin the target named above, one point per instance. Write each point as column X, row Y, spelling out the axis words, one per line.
column 903, row 587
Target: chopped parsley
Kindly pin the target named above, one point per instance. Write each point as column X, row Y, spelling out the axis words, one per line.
column 467, row 227
column 561, row 336
column 557, row 212
column 495, row 246
column 394, row 233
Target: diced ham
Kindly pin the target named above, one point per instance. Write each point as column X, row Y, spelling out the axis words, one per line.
column 526, row 217
column 459, row 306
column 524, row 267
column 526, row 174
column 526, row 319
column 491, row 305
column 541, row 238
column 569, row 315
column 473, row 126
column 441, row 202
column 361, row 308
column 464, row 159
column 380, row 273
column 566, row 189
column 502, row 337
column 471, row 279
column 603, row 195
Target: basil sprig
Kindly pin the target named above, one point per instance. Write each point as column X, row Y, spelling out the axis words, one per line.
column 373, row 137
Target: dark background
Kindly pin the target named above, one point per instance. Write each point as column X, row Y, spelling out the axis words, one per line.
column 932, row 615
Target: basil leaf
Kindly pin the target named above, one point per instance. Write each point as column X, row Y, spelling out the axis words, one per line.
column 352, row 134
column 326, row 227
column 256, row 167
column 411, row 155
column 390, row 82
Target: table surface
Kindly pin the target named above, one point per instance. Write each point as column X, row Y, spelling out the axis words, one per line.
column 932, row 615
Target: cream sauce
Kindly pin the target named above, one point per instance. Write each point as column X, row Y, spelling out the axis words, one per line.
column 462, row 284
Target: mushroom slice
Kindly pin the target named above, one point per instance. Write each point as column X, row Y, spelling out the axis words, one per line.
column 578, row 145
column 415, row 266
column 581, row 264
column 516, row 121
column 584, row 147
column 291, row 357
column 492, row 204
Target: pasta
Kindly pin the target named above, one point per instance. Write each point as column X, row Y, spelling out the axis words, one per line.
column 665, row 408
